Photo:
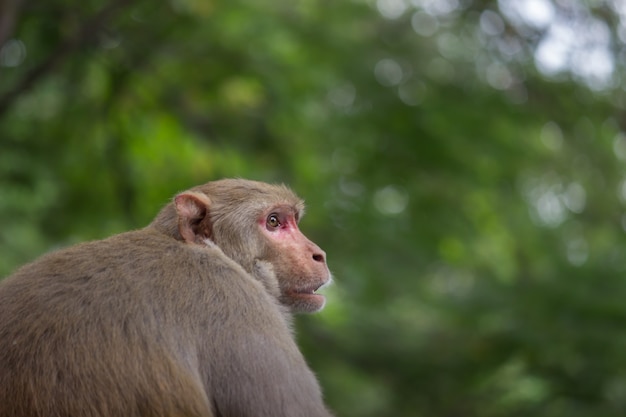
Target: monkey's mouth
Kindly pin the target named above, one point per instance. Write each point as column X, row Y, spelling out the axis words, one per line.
column 309, row 292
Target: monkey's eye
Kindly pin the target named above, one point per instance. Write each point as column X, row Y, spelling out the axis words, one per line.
column 272, row 221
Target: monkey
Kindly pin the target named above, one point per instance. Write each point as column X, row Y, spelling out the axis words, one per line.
column 189, row 316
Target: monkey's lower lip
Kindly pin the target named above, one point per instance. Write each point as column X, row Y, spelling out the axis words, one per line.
column 310, row 296
column 308, row 292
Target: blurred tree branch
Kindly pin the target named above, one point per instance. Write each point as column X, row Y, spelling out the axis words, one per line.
column 8, row 17
column 74, row 41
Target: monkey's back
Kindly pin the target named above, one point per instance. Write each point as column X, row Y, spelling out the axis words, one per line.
column 107, row 319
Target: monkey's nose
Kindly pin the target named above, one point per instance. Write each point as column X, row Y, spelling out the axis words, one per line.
column 319, row 257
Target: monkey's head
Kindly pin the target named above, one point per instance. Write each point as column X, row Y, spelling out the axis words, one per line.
column 256, row 225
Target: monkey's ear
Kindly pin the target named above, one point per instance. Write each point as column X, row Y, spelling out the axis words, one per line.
column 193, row 211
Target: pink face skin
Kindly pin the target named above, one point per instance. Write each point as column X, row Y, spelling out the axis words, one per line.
column 302, row 268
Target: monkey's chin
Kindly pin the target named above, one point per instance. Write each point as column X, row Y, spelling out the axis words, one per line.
column 304, row 302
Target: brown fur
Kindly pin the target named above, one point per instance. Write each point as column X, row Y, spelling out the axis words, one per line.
column 186, row 317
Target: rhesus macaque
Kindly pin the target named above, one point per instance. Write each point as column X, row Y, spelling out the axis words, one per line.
column 189, row 316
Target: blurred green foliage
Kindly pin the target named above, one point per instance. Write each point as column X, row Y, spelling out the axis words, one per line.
column 463, row 162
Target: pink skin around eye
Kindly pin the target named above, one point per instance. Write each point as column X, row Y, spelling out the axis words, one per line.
column 288, row 227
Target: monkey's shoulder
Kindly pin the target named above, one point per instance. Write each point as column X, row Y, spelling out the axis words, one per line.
column 134, row 269
column 84, row 258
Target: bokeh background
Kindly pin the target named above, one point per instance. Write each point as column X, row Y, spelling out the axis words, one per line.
column 464, row 164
